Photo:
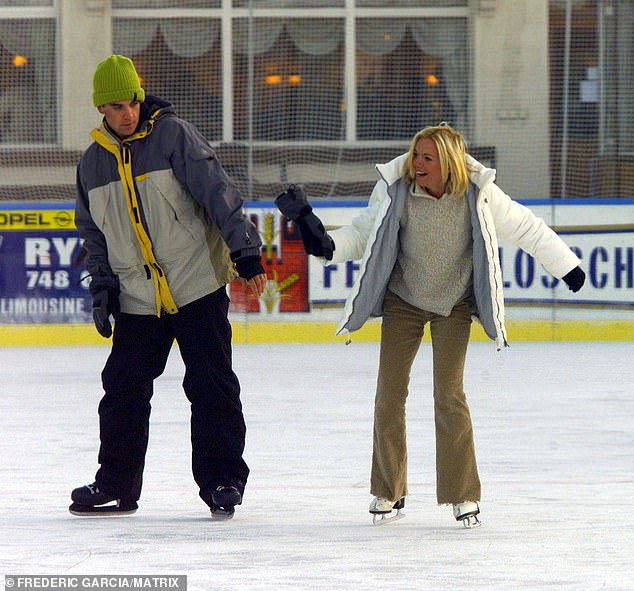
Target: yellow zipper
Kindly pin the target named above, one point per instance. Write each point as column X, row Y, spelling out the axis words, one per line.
column 164, row 297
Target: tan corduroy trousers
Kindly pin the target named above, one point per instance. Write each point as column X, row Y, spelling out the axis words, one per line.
column 401, row 334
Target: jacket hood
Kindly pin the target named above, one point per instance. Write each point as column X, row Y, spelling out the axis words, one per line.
column 392, row 171
column 151, row 104
column 479, row 174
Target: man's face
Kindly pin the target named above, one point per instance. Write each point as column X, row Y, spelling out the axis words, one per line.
column 122, row 117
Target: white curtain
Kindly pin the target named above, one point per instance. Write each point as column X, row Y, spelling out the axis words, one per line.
column 190, row 38
column 317, row 36
column 263, row 35
column 165, row 4
column 132, row 36
column 185, row 37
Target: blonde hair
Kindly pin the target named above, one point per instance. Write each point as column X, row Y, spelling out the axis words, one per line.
column 452, row 154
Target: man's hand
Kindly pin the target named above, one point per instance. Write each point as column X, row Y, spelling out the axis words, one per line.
column 104, row 289
column 255, row 284
column 251, row 272
column 104, row 304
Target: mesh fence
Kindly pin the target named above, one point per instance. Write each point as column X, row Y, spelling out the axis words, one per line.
column 316, row 92
column 592, row 98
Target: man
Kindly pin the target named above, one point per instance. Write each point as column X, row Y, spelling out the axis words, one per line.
column 164, row 232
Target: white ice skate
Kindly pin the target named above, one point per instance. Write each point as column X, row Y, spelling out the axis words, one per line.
column 467, row 512
column 383, row 510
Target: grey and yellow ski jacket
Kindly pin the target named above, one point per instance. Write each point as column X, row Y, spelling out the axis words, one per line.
column 158, row 212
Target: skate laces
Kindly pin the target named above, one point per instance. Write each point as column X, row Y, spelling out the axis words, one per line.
column 382, row 504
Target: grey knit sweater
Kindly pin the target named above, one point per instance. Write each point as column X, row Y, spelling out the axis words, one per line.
column 434, row 268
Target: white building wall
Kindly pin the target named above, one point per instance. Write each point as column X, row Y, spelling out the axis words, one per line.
column 510, row 109
column 85, row 34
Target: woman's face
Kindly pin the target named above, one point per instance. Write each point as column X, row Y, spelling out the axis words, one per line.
column 426, row 164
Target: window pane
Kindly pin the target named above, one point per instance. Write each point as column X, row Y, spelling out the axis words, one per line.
column 296, row 90
column 411, row 73
column 26, row 3
column 178, row 60
column 610, row 88
column 417, row 3
column 165, row 4
column 619, row 79
column 288, row 3
column 27, row 81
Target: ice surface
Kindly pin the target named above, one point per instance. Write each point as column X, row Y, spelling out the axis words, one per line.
column 554, row 427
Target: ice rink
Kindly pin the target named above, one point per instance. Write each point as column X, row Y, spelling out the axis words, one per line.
column 554, row 428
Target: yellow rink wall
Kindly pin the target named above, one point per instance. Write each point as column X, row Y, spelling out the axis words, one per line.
column 323, row 332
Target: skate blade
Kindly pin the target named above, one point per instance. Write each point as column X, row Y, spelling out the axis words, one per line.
column 385, row 518
column 471, row 522
column 100, row 511
column 222, row 514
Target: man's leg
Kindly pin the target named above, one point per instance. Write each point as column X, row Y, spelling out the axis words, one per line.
column 140, row 348
column 218, row 430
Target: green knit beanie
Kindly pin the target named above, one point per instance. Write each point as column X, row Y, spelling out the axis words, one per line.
column 115, row 80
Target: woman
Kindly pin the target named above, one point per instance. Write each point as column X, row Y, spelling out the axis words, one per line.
column 428, row 244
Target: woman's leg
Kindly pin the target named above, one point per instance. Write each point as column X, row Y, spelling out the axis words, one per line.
column 456, row 470
column 401, row 334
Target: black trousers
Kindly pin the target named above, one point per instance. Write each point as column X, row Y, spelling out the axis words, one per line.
column 140, row 349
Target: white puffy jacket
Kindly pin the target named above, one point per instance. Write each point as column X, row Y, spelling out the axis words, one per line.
column 372, row 237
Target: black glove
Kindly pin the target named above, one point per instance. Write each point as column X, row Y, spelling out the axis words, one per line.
column 294, row 206
column 575, row 279
column 249, row 266
column 104, row 304
column 293, row 203
column 104, row 289
column 314, row 236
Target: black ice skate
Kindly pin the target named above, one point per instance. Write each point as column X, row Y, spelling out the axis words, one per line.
column 224, row 499
column 89, row 501
column 467, row 513
column 382, row 510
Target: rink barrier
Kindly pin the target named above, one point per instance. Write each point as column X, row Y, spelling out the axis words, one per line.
column 47, row 335
column 44, row 300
